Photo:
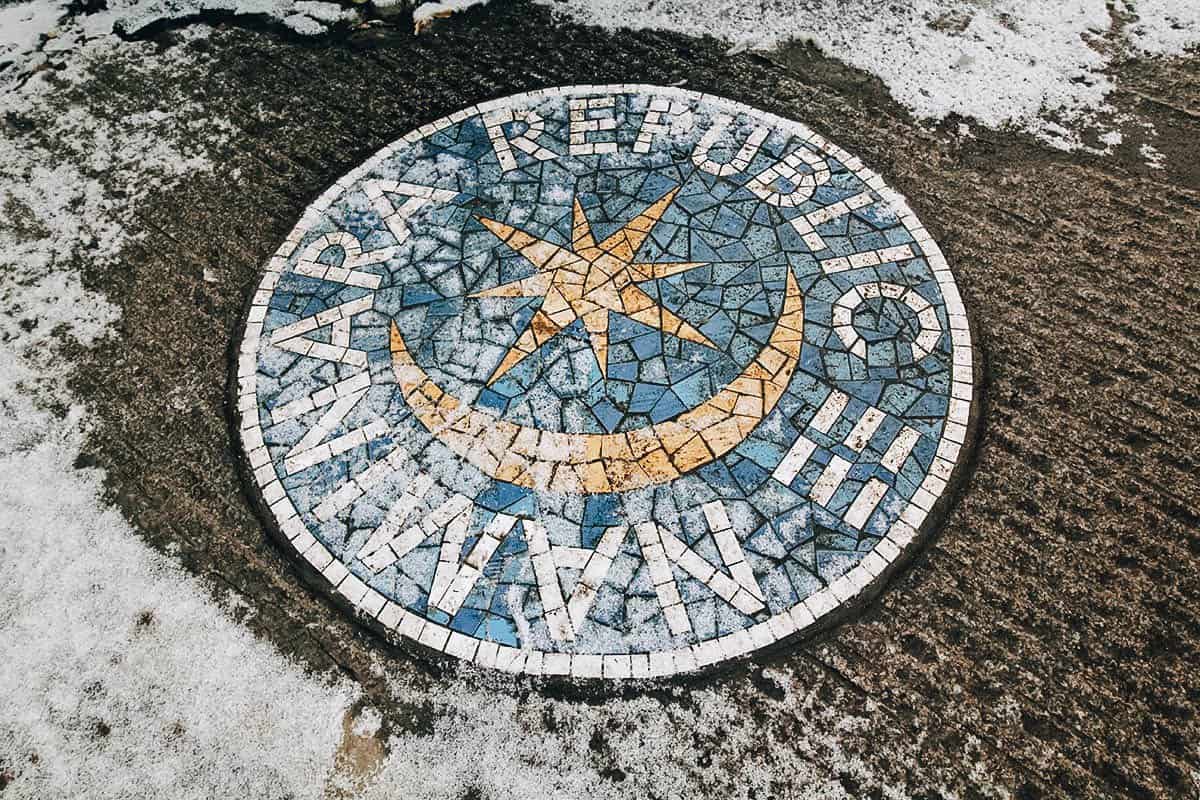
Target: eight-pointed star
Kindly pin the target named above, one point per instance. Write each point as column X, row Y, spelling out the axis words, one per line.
column 588, row 281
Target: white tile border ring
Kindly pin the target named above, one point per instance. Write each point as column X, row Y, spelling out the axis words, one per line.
column 815, row 612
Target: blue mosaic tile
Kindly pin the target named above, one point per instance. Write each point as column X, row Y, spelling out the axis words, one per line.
column 604, row 381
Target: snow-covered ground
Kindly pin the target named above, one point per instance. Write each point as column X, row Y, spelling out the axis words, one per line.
column 1165, row 27
column 1028, row 65
column 25, row 25
column 84, row 602
column 100, row 633
column 1038, row 67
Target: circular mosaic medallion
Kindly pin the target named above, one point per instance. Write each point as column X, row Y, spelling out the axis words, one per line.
column 604, row 381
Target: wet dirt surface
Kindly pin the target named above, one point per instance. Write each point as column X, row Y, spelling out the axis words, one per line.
column 1046, row 640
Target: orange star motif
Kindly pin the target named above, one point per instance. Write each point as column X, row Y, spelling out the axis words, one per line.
column 588, row 281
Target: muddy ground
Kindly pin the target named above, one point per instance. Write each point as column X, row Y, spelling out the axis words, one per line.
column 1045, row 641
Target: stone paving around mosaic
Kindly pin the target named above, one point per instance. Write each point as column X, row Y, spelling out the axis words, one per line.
column 608, row 381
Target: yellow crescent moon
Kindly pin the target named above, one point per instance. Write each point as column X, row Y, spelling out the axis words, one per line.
column 593, row 463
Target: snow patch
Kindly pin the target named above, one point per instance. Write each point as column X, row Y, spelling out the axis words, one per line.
column 119, row 673
column 426, row 13
column 306, row 17
column 57, row 213
column 303, row 25
column 328, row 13
column 30, row 30
column 1152, row 156
column 23, row 24
column 23, row 27
column 1002, row 63
column 1165, row 27
column 1010, row 63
